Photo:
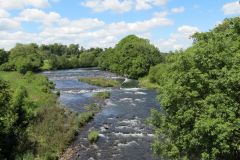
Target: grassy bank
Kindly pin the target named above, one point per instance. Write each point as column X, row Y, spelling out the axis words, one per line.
column 102, row 95
column 146, row 83
column 52, row 127
column 100, row 81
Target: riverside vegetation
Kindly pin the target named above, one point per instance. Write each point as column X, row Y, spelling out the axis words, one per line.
column 198, row 91
column 93, row 136
column 199, row 95
column 101, row 82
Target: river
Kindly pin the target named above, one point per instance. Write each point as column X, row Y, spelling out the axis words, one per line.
column 121, row 122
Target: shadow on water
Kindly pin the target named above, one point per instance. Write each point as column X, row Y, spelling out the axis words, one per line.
column 121, row 123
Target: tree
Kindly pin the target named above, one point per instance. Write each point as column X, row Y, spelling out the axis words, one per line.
column 199, row 94
column 73, row 50
column 131, row 57
column 3, row 56
column 25, row 58
column 87, row 60
column 13, row 121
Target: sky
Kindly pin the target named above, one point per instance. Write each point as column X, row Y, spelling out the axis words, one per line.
column 168, row 24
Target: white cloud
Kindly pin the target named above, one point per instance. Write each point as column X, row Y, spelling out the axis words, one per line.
column 160, row 2
column 96, row 33
column 142, row 5
column 124, row 28
column 89, row 32
column 36, row 15
column 231, row 8
column 177, row 10
column 121, row 6
column 20, row 4
column 7, row 24
column 104, row 5
column 179, row 40
column 188, row 30
column 4, row 14
column 68, row 27
column 11, row 38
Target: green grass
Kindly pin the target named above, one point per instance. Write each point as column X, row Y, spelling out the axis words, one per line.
column 36, row 85
column 93, row 108
column 53, row 130
column 100, row 81
column 52, row 127
column 93, row 136
column 102, row 95
column 85, row 117
column 145, row 82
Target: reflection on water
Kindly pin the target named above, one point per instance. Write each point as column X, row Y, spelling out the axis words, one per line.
column 121, row 123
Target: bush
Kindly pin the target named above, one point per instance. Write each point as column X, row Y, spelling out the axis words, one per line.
column 52, row 130
column 93, row 136
column 93, row 108
column 7, row 67
column 102, row 95
column 84, row 118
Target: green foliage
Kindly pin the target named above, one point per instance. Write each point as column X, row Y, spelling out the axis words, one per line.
column 131, row 57
column 36, row 128
column 52, row 130
column 31, row 57
column 102, row 95
column 99, row 81
column 199, row 94
column 7, row 67
column 25, row 58
column 93, row 136
column 3, row 56
column 87, row 60
column 94, row 108
column 14, row 118
column 85, row 117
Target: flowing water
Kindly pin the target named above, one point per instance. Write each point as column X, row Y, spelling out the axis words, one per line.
column 121, row 123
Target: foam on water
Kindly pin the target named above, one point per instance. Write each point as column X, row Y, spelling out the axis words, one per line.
column 127, row 135
column 131, row 143
column 141, row 93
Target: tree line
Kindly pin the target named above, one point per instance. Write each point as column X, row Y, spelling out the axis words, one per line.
column 131, row 57
column 31, row 57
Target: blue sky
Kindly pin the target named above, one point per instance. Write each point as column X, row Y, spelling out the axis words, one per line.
column 168, row 24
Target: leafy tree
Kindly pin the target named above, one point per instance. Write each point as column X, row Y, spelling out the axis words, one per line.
column 132, row 57
column 73, row 50
column 13, row 121
column 3, row 56
column 199, row 94
column 25, row 58
column 87, row 60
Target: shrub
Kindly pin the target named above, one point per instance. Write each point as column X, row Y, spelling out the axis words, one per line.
column 84, row 118
column 93, row 108
column 102, row 95
column 93, row 136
